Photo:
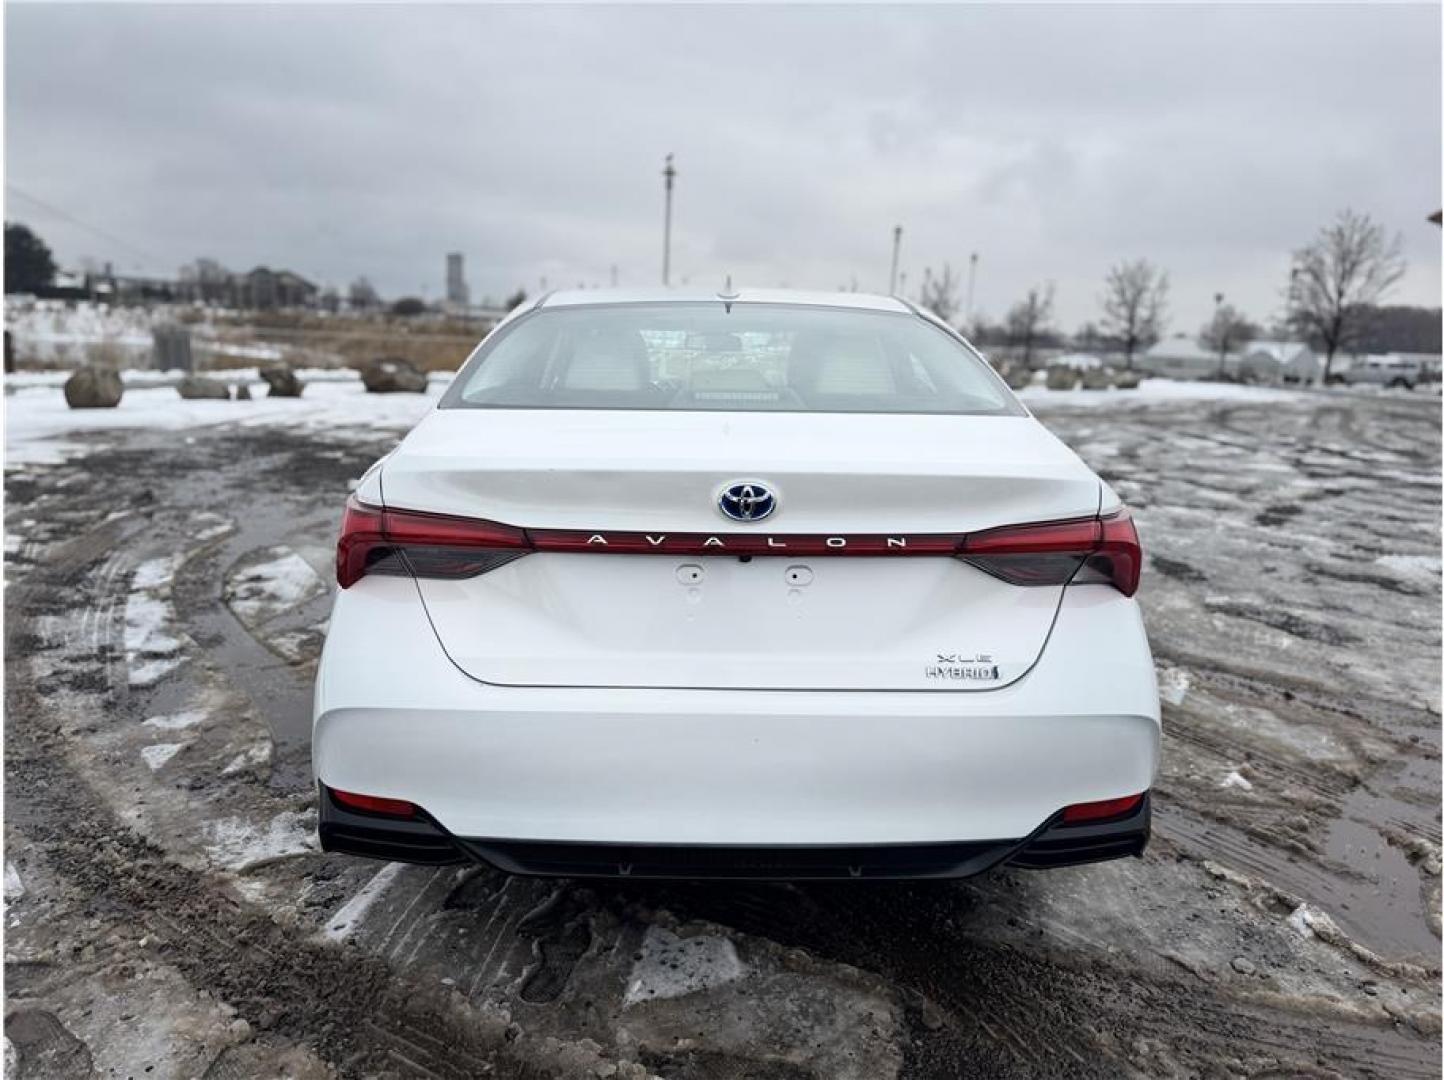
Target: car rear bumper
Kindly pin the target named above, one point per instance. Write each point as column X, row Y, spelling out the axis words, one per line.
column 423, row 840
column 547, row 780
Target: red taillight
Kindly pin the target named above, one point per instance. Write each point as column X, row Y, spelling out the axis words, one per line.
column 361, row 536
column 374, row 804
column 1079, row 813
column 1081, row 552
column 377, row 541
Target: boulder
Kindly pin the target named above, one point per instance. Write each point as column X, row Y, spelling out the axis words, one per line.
column 1100, row 378
column 93, row 387
column 1062, row 377
column 282, row 381
column 1127, row 380
column 193, row 387
column 243, row 391
column 392, row 375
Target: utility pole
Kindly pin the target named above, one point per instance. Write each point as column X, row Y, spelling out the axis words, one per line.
column 614, row 275
column 669, row 174
column 896, row 243
column 972, row 277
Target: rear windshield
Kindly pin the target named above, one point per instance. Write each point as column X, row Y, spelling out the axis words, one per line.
column 757, row 357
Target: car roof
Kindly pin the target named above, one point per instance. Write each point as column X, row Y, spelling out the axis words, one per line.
column 691, row 295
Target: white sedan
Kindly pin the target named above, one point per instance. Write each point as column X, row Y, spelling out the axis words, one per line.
column 769, row 584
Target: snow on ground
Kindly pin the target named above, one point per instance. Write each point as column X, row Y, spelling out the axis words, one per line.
column 1159, row 391
column 1173, row 684
column 670, row 966
column 340, row 925
column 157, row 755
column 150, row 648
column 264, row 589
column 153, row 573
column 236, row 844
column 14, row 887
column 1422, row 567
column 177, row 721
column 37, row 420
column 1236, row 779
column 258, row 753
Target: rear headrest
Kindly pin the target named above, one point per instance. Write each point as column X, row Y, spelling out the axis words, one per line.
column 608, row 360
column 821, row 363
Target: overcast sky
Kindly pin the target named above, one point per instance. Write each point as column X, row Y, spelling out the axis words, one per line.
column 342, row 141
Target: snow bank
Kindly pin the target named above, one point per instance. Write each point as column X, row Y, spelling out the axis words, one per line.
column 37, row 420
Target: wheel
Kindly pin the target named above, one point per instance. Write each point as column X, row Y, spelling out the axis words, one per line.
column 1401, row 382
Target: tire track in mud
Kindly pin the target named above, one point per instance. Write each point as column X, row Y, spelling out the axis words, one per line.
column 1333, row 475
column 351, row 1008
column 1014, row 1013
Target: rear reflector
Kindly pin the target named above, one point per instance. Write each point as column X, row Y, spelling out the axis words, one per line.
column 1084, row 551
column 1080, row 813
column 373, row 804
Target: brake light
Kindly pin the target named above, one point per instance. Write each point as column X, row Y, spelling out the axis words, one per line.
column 379, row 541
column 1087, row 551
column 1080, row 813
column 374, row 804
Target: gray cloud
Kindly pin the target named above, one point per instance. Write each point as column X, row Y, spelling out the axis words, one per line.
column 1051, row 140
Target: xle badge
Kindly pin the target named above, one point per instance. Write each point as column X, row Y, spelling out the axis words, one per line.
column 960, row 667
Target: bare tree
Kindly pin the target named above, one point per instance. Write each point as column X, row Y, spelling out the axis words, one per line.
column 940, row 293
column 1028, row 319
column 1226, row 331
column 362, row 296
column 1349, row 266
column 1135, row 298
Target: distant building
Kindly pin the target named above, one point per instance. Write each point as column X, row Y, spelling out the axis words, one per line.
column 457, row 294
column 1183, row 358
column 1280, row 361
column 264, row 288
column 1257, row 361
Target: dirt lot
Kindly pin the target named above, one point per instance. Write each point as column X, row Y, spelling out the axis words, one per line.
column 168, row 915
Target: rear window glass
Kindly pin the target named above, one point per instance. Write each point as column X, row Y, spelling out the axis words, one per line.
column 757, row 357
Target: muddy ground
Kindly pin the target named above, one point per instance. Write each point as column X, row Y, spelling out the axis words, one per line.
column 168, row 915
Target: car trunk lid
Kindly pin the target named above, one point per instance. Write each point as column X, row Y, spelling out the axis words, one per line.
column 802, row 608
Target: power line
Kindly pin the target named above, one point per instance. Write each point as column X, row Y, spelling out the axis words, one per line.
column 147, row 255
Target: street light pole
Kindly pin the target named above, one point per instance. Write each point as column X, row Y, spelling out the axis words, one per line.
column 896, row 243
column 669, row 174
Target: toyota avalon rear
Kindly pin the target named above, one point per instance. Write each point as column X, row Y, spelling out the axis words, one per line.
column 774, row 585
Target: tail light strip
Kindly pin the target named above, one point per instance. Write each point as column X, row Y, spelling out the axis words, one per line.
column 1080, row 551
